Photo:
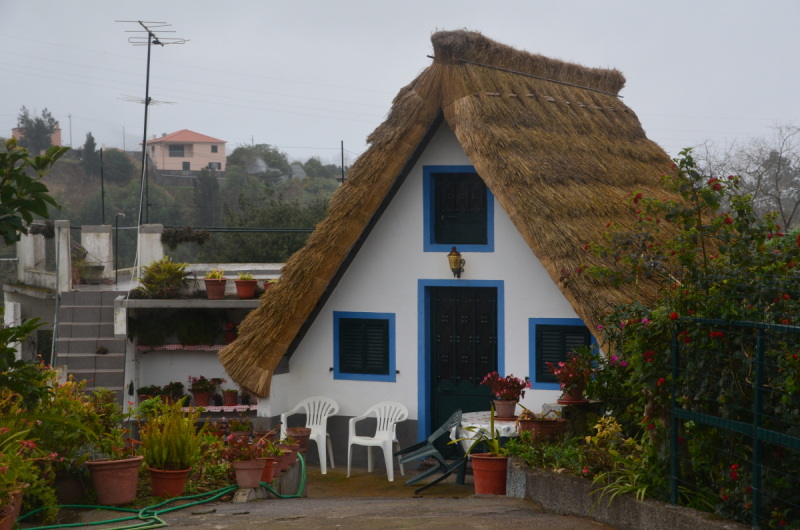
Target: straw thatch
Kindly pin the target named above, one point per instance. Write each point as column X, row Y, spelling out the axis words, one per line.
column 560, row 160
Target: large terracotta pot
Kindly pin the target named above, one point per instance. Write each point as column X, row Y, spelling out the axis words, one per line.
column 267, row 285
column 230, row 398
column 269, row 465
column 294, row 449
column 504, row 410
column 115, row 480
column 281, row 464
column 69, row 489
column 7, row 517
column 543, row 429
column 574, row 396
column 489, row 473
column 301, row 435
column 168, row 483
column 246, row 289
column 201, row 399
column 215, row 289
column 248, row 473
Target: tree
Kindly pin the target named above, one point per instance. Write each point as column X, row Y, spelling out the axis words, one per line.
column 117, row 166
column 23, row 196
column 36, row 132
column 91, row 159
column 206, row 191
column 769, row 167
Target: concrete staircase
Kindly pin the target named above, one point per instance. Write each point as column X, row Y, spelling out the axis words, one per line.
column 86, row 343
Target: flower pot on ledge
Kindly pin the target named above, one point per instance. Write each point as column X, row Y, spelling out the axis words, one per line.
column 201, row 399
column 504, row 410
column 574, row 396
column 215, row 289
column 543, row 429
column 246, row 289
column 230, row 398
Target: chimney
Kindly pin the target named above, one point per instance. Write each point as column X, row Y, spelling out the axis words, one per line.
column 57, row 127
column 154, row 137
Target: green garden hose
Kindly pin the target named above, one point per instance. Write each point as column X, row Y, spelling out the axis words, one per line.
column 149, row 517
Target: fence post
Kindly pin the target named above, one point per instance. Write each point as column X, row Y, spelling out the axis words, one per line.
column 673, row 422
column 758, row 404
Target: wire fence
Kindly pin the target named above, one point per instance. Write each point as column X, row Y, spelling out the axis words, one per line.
column 735, row 400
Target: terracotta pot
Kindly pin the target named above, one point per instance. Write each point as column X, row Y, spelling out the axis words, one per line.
column 219, row 434
column 504, row 409
column 489, row 473
column 241, row 435
column 230, row 398
column 246, row 289
column 574, row 396
column 69, row 490
column 230, row 336
column 269, row 465
column 215, row 289
column 543, row 429
column 294, row 449
column 282, row 463
column 144, row 397
column 7, row 517
column 115, row 480
column 168, row 483
column 268, row 436
column 201, row 399
column 248, row 473
column 267, row 285
column 301, row 435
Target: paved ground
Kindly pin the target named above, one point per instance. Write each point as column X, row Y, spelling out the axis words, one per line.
column 366, row 501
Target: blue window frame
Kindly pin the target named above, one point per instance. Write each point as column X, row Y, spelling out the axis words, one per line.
column 389, row 318
column 428, row 193
column 549, row 324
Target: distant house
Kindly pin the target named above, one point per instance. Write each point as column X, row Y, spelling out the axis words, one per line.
column 55, row 138
column 298, row 172
column 186, row 150
column 257, row 167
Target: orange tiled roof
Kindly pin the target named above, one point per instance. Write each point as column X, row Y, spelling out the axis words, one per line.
column 186, row 136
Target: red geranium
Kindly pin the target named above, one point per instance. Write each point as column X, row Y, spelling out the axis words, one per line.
column 507, row 388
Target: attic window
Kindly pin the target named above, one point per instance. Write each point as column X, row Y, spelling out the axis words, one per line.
column 458, row 210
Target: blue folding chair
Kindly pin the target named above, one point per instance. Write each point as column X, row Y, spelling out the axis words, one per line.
column 426, row 449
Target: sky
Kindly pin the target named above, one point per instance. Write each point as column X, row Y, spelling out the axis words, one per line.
column 306, row 75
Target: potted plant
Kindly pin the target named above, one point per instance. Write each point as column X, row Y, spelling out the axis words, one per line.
column 229, row 394
column 230, row 332
column 215, row 428
column 507, row 391
column 268, row 454
column 291, row 446
column 202, row 388
column 573, row 375
column 244, row 457
column 240, row 428
column 489, row 469
column 541, row 426
column 269, row 283
column 173, row 392
column 116, row 476
column 162, row 278
column 171, row 444
column 301, row 435
column 215, row 284
column 246, row 285
column 148, row 392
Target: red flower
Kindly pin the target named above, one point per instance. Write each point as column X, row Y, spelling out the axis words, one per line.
column 769, row 236
column 687, row 339
column 673, row 316
column 585, row 247
column 749, row 489
column 651, row 427
column 712, row 180
column 637, row 197
column 692, row 311
column 728, row 221
column 609, row 224
column 730, row 177
column 717, row 186
column 661, row 382
column 734, row 475
column 747, row 506
column 673, row 164
column 780, row 234
column 786, row 297
column 680, row 440
column 725, row 497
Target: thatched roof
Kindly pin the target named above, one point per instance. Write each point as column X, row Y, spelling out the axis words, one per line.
column 560, row 159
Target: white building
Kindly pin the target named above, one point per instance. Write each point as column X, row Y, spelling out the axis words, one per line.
column 516, row 160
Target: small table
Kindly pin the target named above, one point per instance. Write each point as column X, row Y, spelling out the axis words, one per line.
column 482, row 420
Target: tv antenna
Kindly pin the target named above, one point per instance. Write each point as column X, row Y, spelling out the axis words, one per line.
column 152, row 37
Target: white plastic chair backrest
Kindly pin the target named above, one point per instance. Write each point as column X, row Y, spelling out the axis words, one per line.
column 318, row 408
column 389, row 414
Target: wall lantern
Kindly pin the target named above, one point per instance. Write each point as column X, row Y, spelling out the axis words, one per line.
column 456, row 263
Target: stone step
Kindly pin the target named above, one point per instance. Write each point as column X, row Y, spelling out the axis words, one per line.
column 84, row 298
column 91, row 362
column 99, row 378
column 91, row 330
column 90, row 346
column 86, row 313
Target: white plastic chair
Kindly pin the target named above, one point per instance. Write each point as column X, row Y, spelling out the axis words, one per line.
column 317, row 410
column 389, row 414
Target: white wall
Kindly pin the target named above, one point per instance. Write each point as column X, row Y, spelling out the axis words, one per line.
column 384, row 277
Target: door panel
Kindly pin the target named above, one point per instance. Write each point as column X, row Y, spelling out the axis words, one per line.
column 463, row 350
